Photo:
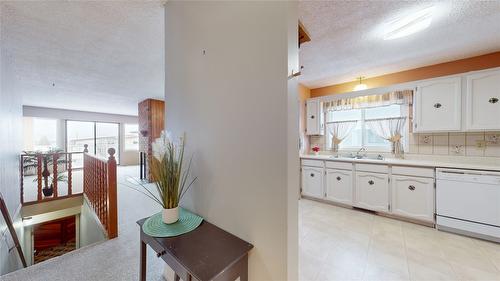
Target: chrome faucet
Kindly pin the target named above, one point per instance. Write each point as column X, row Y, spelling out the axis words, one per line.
column 358, row 155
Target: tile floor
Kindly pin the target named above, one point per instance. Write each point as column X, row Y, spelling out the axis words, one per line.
column 337, row 243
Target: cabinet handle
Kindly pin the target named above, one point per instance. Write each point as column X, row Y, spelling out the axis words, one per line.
column 437, row 105
column 370, row 182
column 312, row 116
column 493, row 100
column 411, row 187
column 312, row 175
column 339, row 178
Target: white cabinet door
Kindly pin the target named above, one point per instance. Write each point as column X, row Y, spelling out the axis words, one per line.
column 315, row 124
column 312, row 181
column 372, row 191
column 413, row 197
column 339, row 186
column 483, row 101
column 438, row 105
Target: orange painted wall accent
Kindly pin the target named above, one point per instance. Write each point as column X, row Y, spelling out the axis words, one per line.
column 448, row 68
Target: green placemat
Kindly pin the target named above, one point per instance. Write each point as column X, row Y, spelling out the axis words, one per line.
column 154, row 225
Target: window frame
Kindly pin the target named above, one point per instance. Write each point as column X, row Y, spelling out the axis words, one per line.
column 362, row 120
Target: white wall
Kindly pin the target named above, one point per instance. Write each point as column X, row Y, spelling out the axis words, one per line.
column 91, row 230
column 226, row 87
column 10, row 147
column 127, row 157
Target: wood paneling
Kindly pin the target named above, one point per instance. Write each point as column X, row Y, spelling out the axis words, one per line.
column 151, row 124
column 448, row 68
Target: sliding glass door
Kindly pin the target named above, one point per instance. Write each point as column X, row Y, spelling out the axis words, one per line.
column 107, row 136
column 98, row 136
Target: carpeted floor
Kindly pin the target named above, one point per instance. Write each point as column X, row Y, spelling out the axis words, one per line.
column 116, row 259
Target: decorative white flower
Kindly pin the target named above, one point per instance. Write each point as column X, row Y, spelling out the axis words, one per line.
column 159, row 146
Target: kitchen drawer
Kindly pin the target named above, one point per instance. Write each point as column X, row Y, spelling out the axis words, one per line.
column 313, row 163
column 413, row 171
column 339, row 165
column 374, row 168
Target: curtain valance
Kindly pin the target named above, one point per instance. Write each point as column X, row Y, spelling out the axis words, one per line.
column 404, row 97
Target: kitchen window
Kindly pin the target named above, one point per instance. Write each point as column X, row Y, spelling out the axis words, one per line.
column 361, row 135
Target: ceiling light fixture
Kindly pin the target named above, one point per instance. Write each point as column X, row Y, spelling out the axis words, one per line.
column 360, row 86
column 409, row 24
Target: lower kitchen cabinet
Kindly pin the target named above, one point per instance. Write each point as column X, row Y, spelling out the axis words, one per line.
column 312, row 181
column 339, row 186
column 372, row 191
column 413, row 197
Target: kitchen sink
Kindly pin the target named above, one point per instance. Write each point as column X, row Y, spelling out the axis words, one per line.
column 357, row 156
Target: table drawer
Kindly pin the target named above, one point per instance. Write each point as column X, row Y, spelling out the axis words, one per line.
column 339, row 165
column 413, row 171
column 374, row 168
column 313, row 163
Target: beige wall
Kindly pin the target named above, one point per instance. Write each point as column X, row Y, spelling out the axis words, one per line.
column 437, row 70
column 10, row 148
column 226, row 87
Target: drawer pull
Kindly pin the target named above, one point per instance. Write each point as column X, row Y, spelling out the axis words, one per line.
column 339, row 178
column 312, row 175
column 370, row 182
column 438, row 105
column 411, row 187
column 493, row 100
column 312, row 116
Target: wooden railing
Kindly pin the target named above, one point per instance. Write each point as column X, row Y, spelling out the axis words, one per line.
column 48, row 166
column 99, row 187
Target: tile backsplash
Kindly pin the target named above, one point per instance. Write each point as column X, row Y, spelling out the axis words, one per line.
column 478, row 144
column 459, row 144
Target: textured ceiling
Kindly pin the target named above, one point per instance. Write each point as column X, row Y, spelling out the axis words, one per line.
column 347, row 41
column 94, row 56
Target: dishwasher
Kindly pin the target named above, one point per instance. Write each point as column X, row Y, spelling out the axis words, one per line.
column 468, row 202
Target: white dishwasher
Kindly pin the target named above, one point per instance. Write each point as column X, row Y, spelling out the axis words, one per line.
column 468, row 202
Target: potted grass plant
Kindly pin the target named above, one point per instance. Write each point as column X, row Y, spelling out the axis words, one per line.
column 169, row 176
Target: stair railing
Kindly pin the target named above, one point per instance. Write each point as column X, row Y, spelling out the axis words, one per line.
column 99, row 188
column 10, row 226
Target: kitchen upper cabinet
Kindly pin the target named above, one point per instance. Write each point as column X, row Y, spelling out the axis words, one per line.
column 339, row 186
column 438, row 105
column 372, row 191
column 483, row 101
column 315, row 119
column 413, row 197
column 312, row 181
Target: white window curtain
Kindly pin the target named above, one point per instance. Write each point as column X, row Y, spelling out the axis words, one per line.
column 390, row 129
column 339, row 131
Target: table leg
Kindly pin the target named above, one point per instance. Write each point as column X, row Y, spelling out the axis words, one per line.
column 176, row 277
column 142, row 268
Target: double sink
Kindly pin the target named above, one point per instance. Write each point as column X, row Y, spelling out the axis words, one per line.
column 358, row 156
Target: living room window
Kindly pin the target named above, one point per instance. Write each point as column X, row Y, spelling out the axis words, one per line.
column 131, row 133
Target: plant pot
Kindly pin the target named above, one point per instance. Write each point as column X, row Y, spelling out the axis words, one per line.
column 48, row 191
column 316, row 152
column 170, row 216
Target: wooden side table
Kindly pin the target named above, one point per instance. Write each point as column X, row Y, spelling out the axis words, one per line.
column 206, row 253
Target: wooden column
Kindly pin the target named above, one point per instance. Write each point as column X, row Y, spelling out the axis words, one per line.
column 151, row 124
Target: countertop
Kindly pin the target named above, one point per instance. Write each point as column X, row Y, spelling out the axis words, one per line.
column 492, row 164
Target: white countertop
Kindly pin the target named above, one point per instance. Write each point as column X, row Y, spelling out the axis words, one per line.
column 492, row 164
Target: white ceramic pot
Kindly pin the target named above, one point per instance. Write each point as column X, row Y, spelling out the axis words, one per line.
column 170, row 216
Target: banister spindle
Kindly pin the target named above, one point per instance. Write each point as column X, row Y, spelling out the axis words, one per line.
column 55, row 173
column 39, row 176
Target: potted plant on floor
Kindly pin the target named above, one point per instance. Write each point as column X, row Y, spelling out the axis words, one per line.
column 169, row 176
